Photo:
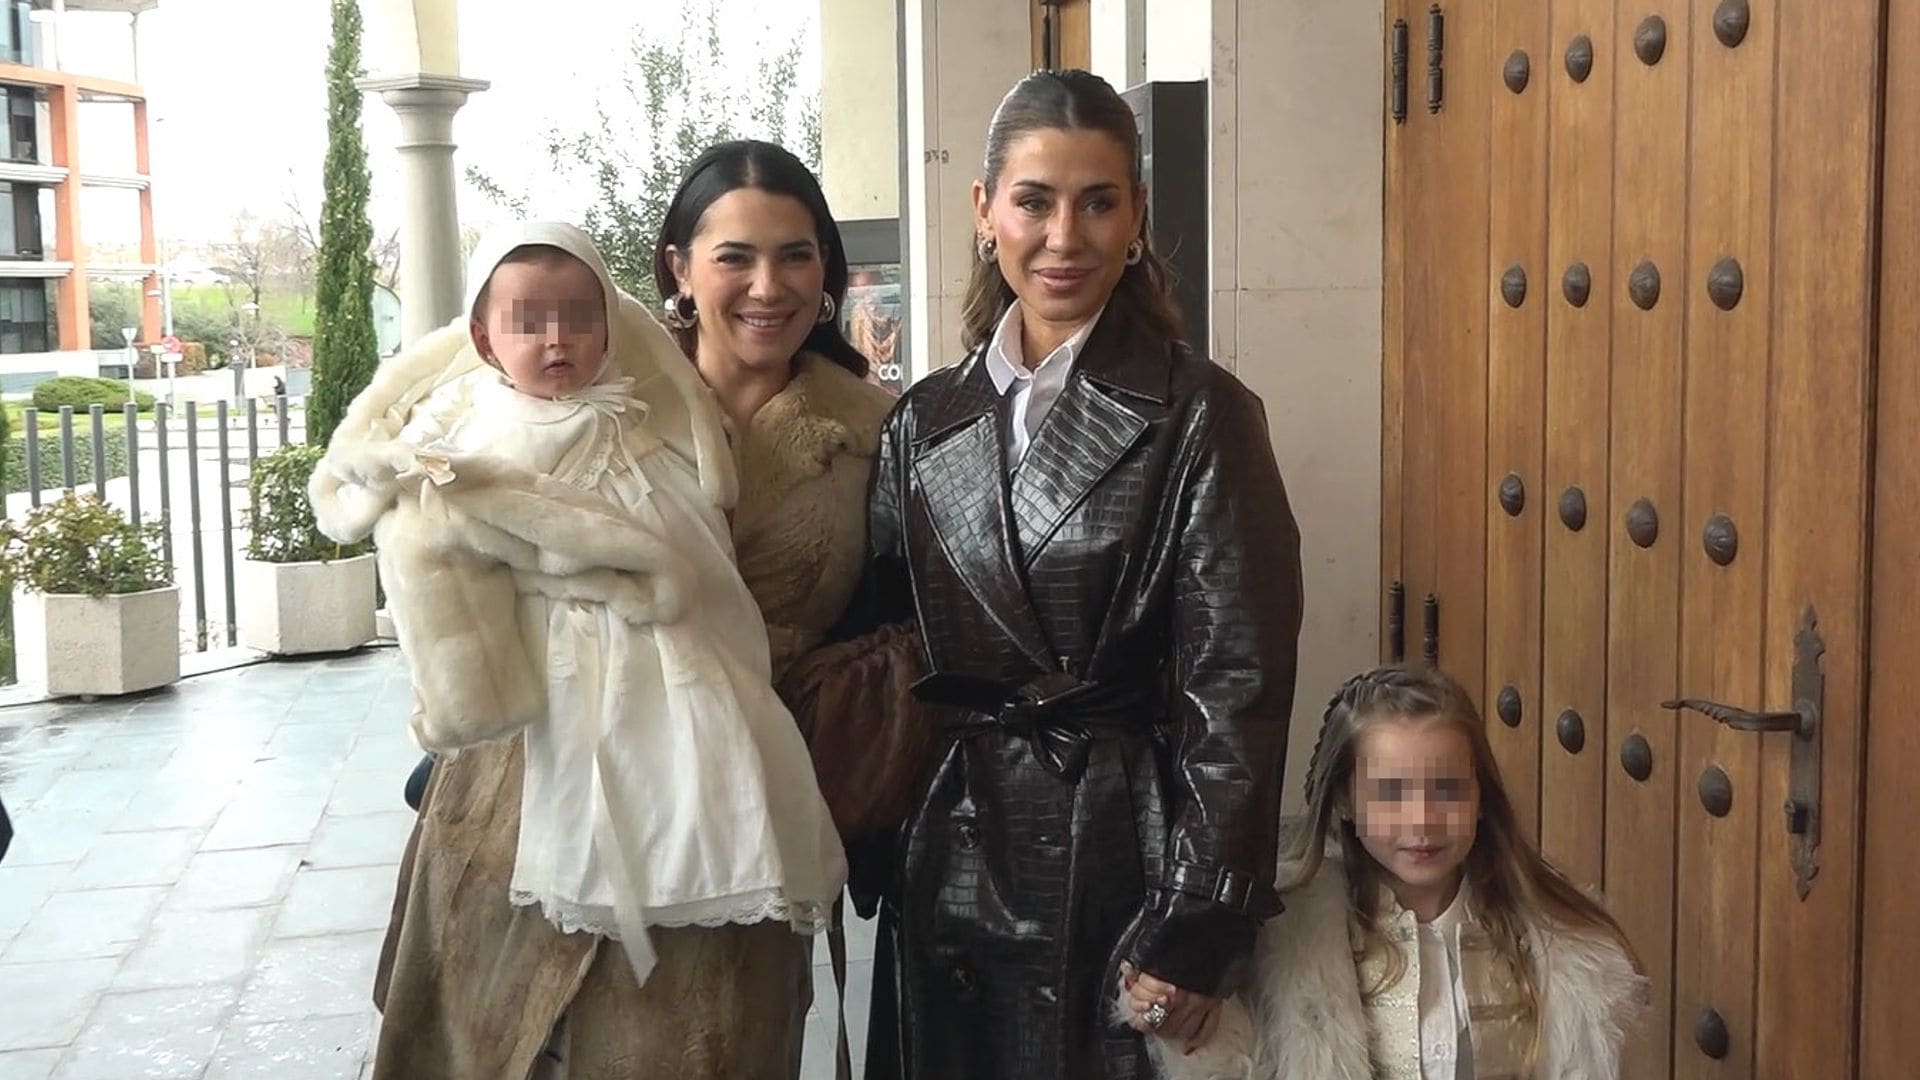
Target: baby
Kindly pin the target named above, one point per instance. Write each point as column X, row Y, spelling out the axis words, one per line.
column 552, row 520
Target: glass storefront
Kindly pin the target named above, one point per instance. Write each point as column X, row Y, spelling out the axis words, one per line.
column 872, row 317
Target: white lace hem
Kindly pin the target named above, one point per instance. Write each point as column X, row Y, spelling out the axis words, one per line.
column 762, row 905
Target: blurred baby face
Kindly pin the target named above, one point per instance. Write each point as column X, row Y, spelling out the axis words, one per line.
column 1416, row 802
column 544, row 324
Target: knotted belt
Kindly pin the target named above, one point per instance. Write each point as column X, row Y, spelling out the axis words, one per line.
column 1058, row 714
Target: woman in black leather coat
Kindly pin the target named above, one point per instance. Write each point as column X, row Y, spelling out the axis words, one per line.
column 1088, row 521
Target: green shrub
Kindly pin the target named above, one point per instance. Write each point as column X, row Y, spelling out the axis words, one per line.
column 111, row 306
column 78, row 544
column 193, row 360
column 50, row 460
column 281, row 517
column 82, row 392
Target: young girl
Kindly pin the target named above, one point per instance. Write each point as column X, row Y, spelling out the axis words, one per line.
column 1424, row 938
column 552, row 526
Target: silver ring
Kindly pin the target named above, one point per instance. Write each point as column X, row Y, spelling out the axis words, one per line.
column 1156, row 1015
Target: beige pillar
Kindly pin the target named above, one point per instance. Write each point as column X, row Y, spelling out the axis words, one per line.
column 1119, row 41
column 860, row 108
column 962, row 57
column 1177, row 35
column 412, row 35
column 431, row 275
column 1296, row 211
column 413, row 49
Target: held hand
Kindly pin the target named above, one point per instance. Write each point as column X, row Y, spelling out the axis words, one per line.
column 1184, row 1016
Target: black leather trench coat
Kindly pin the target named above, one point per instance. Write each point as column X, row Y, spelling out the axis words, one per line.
column 1111, row 631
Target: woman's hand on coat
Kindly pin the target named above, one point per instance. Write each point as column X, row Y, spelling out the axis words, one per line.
column 1191, row 1017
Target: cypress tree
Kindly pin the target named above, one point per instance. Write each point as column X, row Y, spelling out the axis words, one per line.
column 344, row 350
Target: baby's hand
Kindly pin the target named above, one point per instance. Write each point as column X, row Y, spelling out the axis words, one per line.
column 375, row 467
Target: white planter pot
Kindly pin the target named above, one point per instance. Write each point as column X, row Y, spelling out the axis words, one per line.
column 75, row 644
column 309, row 607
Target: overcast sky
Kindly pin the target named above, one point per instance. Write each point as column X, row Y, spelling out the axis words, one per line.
column 237, row 92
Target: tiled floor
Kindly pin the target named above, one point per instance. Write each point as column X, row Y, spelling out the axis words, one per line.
column 200, row 878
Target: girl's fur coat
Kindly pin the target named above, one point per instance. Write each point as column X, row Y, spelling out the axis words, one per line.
column 1304, row 1019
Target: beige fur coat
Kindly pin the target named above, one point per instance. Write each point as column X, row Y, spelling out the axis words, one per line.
column 455, row 553
column 1304, row 1019
column 475, row 984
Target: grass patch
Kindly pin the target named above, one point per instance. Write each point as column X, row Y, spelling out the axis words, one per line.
column 218, row 305
column 49, row 420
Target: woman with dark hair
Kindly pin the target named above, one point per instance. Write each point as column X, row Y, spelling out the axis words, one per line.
column 1090, row 523
column 750, row 261
column 473, row 988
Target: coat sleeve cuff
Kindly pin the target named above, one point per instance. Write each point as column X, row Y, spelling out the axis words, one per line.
column 1196, row 944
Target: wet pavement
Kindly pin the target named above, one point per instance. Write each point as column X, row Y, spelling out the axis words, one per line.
column 200, row 878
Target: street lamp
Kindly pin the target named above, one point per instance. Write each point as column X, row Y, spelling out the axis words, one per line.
column 239, row 366
column 171, row 362
column 127, row 334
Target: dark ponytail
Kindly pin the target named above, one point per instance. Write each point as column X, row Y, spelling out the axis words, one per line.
column 1068, row 101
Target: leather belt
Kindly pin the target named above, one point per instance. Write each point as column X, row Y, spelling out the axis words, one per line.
column 1060, row 715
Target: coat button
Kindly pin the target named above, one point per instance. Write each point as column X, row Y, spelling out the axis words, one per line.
column 962, row 980
column 969, row 837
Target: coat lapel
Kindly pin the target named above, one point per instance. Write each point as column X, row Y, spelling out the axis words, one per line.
column 1096, row 421
column 959, row 466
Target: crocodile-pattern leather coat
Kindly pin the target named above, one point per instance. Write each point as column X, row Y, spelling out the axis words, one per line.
column 1112, row 630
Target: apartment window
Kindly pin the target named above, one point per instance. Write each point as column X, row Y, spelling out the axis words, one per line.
column 20, row 236
column 24, row 326
column 23, row 128
column 16, row 32
column 9, row 214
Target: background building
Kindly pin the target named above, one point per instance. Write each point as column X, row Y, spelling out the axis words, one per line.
column 46, row 261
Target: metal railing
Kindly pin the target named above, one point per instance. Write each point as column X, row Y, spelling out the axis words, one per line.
column 124, row 479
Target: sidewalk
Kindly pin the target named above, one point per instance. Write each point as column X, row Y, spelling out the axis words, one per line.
column 201, row 876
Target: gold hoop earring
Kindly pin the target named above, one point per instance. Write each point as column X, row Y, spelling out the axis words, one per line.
column 827, row 309
column 679, row 313
column 1136, row 251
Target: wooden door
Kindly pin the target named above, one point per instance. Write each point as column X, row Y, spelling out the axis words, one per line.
column 1067, row 27
column 1890, row 951
column 1631, row 290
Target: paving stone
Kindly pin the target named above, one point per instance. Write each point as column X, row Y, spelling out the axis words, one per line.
column 197, row 948
column 330, row 1048
column 48, row 1004
column 236, row 879
column 338, row 901
column 310, row 978
column 152, row 1035
column 85, row 925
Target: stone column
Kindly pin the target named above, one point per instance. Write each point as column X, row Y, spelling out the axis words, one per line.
column 431, row 274
column 1295, row 204
column 962, row 57
column 1119, row 32
column 860, row 108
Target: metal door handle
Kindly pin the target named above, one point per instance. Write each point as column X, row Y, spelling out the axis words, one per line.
column 1803, row 723
column 1742, row 719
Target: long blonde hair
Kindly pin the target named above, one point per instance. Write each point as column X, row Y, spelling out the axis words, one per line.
column 1513, row 885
